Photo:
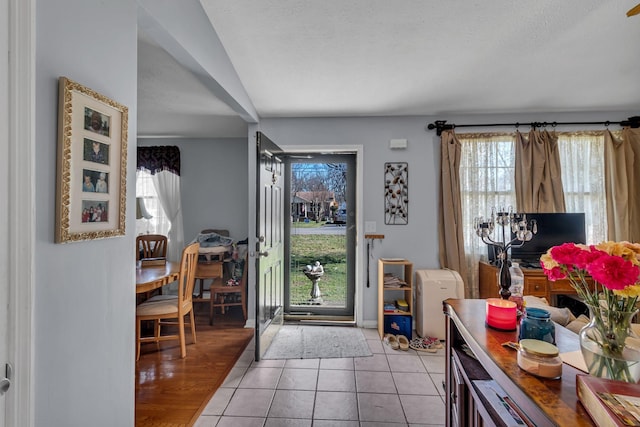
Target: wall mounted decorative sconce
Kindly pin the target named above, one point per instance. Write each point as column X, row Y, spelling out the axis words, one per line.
column 396, row 193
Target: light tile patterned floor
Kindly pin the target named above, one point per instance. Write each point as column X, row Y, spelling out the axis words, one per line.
column 392, row 388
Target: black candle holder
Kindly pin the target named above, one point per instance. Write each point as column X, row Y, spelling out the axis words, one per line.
column 516, row 224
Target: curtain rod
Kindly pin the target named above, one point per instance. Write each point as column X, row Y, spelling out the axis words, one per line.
column 440, row 125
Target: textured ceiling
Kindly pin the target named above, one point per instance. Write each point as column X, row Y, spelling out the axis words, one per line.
column 172, row 102
column 306, row 58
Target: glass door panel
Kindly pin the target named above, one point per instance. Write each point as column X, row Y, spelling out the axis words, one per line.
column 321, row 235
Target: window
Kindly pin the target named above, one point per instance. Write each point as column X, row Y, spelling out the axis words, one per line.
column 487, row 171
column 582, row 162
column 486, row 181
column 158, row 223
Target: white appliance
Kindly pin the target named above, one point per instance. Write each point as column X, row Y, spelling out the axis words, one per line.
column 433, row 287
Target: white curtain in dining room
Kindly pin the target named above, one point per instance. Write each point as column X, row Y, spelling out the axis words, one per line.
column 146, row 190
column 581, row 158
column 167, row 186
column 486, row 182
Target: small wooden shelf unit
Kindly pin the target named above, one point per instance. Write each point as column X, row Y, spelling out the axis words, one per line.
column 402, row 269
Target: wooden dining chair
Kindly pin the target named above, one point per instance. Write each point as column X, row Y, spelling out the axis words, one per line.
column 171, row 309
column 151, row 246
column 220, row 293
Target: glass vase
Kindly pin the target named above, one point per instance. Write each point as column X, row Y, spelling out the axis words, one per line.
column 608, row 345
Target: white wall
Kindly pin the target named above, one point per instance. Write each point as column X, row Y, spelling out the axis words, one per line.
column 84, row 302
column 213, row 178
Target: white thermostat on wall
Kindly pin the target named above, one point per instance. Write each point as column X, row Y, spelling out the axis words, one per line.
column 398, row 143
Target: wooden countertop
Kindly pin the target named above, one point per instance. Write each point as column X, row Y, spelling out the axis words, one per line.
column 549, row 401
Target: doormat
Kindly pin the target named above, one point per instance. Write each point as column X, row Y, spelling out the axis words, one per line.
column 317, row 342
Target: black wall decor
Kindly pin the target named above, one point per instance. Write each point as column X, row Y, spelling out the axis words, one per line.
column 396, row 193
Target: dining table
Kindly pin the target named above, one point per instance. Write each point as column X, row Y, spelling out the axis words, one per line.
column 154, row 277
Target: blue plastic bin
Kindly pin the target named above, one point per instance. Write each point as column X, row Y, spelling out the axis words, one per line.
column 398, row 325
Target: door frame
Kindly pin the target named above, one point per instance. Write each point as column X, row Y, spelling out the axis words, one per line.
column 317, row 312
column 358, row 149
column 21, row 212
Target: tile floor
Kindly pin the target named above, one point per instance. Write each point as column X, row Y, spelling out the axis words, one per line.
column 391, row 388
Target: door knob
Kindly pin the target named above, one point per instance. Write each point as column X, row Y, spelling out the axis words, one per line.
column 5, row 383
column 263, row 254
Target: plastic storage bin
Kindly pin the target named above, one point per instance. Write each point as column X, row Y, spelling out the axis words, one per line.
column 398, row 325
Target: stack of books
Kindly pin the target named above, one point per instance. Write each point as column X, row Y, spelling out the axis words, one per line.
column 391, row 281
column 389, row 307
column 610, row 403
column 402, row 305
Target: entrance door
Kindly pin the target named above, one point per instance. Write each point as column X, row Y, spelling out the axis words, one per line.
column 321, row 234
column 270, row 244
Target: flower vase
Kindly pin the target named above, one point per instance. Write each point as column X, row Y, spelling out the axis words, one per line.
column 608, row 345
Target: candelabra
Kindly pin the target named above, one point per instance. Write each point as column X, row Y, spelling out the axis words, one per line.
column 521, row 230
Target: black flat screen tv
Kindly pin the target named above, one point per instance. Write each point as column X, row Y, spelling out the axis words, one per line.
column 553, row 229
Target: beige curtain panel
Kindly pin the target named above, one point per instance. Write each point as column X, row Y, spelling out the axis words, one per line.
column 538, row 178
column 622, row 175
column 451, row 243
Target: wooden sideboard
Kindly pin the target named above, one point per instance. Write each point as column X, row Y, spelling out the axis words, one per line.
column 545, row 402
column 535, row 283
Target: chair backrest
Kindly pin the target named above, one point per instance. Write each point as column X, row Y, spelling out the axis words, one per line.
column 151, row 246
column 187, row 278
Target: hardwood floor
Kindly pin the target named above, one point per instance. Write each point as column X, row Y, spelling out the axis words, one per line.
column 171, row 391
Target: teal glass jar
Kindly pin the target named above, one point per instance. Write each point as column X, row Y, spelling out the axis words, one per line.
column 537, row 325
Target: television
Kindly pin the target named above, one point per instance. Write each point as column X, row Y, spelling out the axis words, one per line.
column 553, row 229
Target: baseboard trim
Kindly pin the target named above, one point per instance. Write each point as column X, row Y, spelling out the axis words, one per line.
column 369, row 324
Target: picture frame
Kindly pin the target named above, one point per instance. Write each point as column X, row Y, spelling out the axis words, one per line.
column 396, row 193
column 91, row 181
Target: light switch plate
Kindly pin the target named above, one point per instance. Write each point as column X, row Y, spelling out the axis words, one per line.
column 369, row 226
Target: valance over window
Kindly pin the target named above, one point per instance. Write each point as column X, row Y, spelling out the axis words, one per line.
column 163, row 162
column 159, row 158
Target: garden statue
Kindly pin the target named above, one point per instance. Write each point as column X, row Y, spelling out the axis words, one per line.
column 314, row 273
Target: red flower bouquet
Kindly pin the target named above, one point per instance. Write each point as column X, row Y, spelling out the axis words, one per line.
column 614, row 268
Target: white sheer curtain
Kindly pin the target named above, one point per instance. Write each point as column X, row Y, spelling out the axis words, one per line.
column 581, row 157
column 167, row 186
column 486, row 182
column 158, row 223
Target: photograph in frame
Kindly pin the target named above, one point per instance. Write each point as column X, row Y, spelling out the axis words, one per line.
column 91, row 165
column 96, row 121
column 95, row 211
column 95, row 181
column 96, row 151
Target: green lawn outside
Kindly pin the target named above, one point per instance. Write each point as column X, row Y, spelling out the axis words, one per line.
column 310, row 224
column 330, row 250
